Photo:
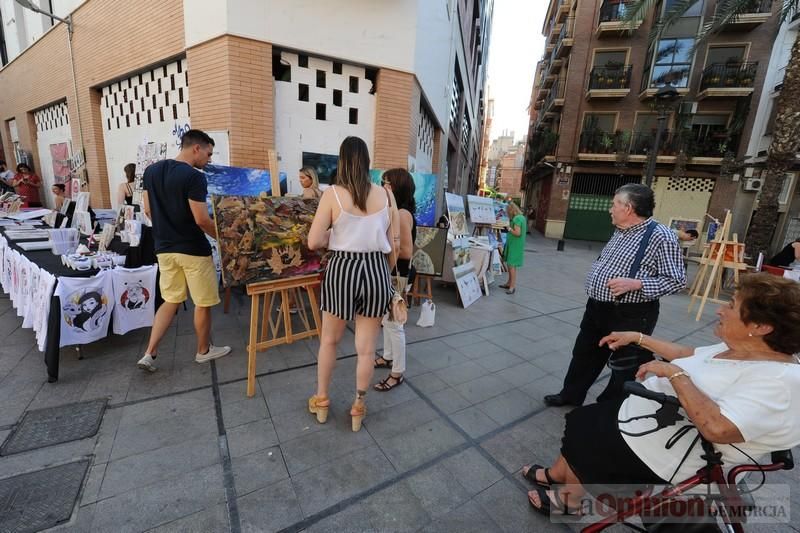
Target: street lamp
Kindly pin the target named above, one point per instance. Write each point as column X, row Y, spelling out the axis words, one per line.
column 664, row 97
column 27, row 4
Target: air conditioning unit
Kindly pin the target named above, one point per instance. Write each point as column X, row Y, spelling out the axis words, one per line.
column 688, row 108
column 753, row 184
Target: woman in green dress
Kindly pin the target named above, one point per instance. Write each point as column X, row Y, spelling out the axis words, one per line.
column 515, row 246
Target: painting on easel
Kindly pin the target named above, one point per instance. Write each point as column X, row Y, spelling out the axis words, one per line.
column 264, row 238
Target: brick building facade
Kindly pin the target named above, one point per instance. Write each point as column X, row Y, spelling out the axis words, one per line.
column 136, row 72
column 593, row 115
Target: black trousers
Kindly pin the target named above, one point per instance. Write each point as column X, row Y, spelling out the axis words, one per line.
column 588, row 358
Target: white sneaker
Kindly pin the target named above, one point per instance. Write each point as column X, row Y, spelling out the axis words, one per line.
column 214, row 352
column 146, row 363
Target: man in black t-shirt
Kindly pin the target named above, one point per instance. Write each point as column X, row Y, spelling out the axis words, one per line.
column 175, row 200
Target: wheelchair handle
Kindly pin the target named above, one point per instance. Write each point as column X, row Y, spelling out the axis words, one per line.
column 637, row 389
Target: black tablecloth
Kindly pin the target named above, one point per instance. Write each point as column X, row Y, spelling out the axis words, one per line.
column 136, row 256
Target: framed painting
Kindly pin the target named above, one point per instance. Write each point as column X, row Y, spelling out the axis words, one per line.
column 264, row 238
column 430, row 245
column 481, row 209
column 457, row 214
column 424, row 195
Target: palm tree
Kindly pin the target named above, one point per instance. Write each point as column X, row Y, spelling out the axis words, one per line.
column 785, row 141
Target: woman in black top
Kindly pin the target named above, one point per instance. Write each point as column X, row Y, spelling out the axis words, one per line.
column 125, row 191
column 400, row 182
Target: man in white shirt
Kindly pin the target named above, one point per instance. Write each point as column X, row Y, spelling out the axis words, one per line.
column 5, row 178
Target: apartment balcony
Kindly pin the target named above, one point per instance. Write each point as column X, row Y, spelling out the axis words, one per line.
column 709, row 149
column 555, row 66
column 609, row 82
column 757, row 14
column 555, row 99
column 542, row 145
column 562, row 11
column 553, row 33
column 724, row 80
column 612, row 21
column 566, row 38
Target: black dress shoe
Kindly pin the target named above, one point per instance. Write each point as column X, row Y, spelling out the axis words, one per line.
column 556, row 400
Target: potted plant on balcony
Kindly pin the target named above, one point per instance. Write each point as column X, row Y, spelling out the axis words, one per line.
column 622, row 146
column 607, row 142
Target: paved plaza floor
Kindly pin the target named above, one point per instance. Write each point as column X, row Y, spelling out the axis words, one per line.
column 184, row 449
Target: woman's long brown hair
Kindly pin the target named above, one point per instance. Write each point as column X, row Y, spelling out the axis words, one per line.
column 353, row 170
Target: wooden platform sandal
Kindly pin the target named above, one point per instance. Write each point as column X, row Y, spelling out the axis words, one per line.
column 318, row 405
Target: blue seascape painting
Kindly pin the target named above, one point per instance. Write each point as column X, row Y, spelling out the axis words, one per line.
column 238, row 181
column 424, row 195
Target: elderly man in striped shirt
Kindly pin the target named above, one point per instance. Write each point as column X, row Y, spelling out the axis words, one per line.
column 641, row 263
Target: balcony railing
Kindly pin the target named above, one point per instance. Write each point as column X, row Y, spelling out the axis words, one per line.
column 757, row 6
column 729, row 75
column 610, row 77
column 556, row 91
column 613, row 12
column 567, row 30
column 641, row 143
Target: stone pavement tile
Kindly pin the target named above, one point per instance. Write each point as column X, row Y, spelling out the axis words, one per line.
column 135, row 439
column 288, row 397
column 428, row 383
column 399, row 419
column 472, row 470
column 80, row 522
column 521, row 374
column 463, row 339
column 387, row 400
column 234, row 366
column 292, row 424
column 258, row 469
column 474, row 422
column 541, row 387
column 443, row 359
column 549, row 423
column 94, row 480
column 438, row 490
column 479, row 349
column 510, row 452
column 244, row 411
column 18, row 463
column 508, row 407
column 106, row 434
column 461, row 373
column 160, row 503
column 508, row 506
column 483, row 388
column 313, row 449
column 270, row 509
column 332, row 482
column 112, row 384
column 212, row 519
column 69, row 389
column 469, row 518
column 420, row 444
column 251, row 437
column 353, row 519
column 162, row 463
column 448, row 400
column 553, row 362
column 396, row 508
column 497, row 361
column 190, row 375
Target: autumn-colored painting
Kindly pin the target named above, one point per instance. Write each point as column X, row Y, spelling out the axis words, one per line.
column 264, row 238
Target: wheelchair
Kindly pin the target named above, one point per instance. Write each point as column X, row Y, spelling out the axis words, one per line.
column 732, row 501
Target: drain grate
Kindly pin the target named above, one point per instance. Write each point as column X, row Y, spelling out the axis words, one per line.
column 40, row 500
column 54, row 425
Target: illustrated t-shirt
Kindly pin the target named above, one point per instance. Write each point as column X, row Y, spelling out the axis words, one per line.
column 134, row 298
column 47, row 283
column 86, row 305
column 29, row 288
column 170, row 185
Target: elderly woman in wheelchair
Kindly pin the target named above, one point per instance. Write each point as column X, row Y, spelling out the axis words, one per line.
column 741, row 395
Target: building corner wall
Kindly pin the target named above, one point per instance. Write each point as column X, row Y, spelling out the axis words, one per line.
column 394, row 112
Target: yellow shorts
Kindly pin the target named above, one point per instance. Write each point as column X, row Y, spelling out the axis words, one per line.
column 181, row 271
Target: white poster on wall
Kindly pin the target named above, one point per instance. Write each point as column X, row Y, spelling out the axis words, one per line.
column 222, row 150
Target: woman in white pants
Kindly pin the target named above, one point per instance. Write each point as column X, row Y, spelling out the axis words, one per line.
column 401, row 184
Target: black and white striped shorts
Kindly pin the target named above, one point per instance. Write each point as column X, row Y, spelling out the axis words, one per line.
column 356, row 283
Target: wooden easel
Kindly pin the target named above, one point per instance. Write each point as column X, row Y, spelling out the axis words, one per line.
column 714, row 256
column 275, row 185
column 421, row 288
column 278, row 330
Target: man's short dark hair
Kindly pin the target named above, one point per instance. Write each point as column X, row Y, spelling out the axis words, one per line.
column 640, row 197
column 692, row 233
column 192, row 137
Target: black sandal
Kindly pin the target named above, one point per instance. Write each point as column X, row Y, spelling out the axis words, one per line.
column 546, row 504
column 384, row 385
column 530, row 475
column 380, row 362
column 504, row 286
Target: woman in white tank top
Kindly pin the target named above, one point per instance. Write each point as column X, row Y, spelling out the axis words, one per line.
column 352, row 221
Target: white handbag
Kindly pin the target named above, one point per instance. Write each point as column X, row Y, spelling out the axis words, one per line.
column 427, row 315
